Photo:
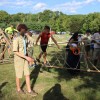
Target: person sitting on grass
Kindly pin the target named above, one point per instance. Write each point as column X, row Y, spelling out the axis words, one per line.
column 21, row 60
column 45, row 36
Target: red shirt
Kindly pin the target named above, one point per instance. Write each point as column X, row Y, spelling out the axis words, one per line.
column 45, row 38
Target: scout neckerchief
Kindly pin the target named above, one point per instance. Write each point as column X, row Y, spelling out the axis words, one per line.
column 24, row 41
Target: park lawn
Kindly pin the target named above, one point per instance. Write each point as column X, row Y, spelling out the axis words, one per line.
column 52, row 84
column 85, row 86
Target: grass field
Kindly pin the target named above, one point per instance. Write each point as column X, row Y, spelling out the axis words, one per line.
column 52, row 84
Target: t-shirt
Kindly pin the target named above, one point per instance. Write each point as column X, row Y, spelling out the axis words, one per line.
column 18, row 46
column 79, row 39
column 45, row 38
column 96, row 37
column 10, row 30
column 87, row 41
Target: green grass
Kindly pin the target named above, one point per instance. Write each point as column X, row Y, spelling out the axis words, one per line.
column 85, row 86
column 57, row 84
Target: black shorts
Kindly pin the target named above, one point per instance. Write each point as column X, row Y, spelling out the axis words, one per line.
column 43, row 47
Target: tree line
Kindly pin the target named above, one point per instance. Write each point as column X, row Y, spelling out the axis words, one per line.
column 57, row 20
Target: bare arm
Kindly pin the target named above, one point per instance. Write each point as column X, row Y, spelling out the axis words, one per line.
column 38, row 38
column 23, row 56
column 19, row 54
column 15, row 30
column 85, row 38
column 6, row 30
column 55, row 41
column 98, row 43
column 70, row 41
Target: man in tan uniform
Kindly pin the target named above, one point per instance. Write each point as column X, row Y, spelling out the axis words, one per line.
column 21, row 59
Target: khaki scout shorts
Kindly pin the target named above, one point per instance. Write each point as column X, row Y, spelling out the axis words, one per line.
column 21, row 69
column 96, row 54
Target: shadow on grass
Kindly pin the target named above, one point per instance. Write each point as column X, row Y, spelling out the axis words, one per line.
column 90, row 80
column 33, row 77
column 1, row 86
column 54, row 93
column 58, row 59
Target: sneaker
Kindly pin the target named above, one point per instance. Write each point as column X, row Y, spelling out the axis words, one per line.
column 46, row 64
column 38, row 60
column 32, row 93
column 21, row 92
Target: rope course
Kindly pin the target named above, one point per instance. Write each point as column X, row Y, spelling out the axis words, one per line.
column 57, row 58
column 8, row 44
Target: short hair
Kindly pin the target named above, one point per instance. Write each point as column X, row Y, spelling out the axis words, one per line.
column 22, row 26
column 47, row 27
column 88, row 31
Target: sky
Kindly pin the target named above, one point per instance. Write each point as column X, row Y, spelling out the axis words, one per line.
column 65, row 6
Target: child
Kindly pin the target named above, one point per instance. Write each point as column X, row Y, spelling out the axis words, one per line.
column 10, row 33
column 21, row 60
column 45, row 35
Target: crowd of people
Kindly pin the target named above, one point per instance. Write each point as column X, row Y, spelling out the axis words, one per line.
column 91, row 44
column 23, row 45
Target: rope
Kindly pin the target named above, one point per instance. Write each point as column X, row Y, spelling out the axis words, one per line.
column 61, row 56
column 93, row 65
column 72, row 69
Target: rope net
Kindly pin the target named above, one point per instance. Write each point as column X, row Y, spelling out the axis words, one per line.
column 56, row 58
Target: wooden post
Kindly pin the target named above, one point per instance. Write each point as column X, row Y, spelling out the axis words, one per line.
column 6, row 38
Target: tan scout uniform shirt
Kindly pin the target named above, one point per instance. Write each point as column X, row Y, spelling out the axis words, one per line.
column 18, row 46
column 21, row 65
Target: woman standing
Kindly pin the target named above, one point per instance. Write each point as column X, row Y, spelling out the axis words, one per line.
column 73, row 58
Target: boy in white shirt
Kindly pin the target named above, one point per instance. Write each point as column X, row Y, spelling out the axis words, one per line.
column 96, row 40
